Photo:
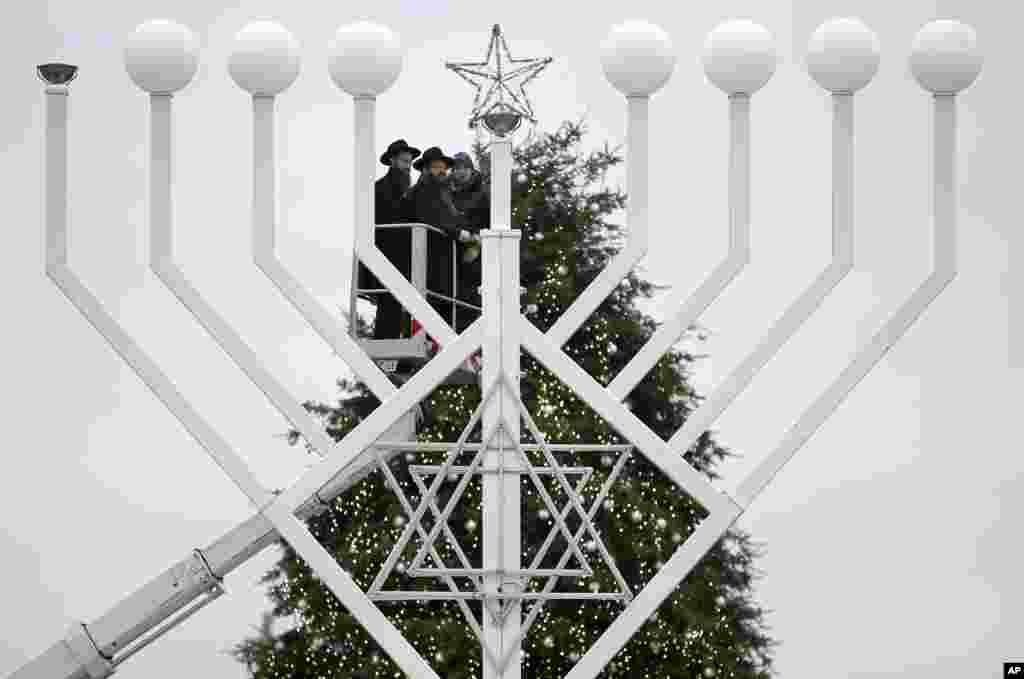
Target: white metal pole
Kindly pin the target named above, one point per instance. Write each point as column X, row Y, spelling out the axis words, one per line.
column 166, row 269
column 56, row 176
column 65, row 278
column 678, row 321
column 637, row 142
column 501, row 493
column 264, row 217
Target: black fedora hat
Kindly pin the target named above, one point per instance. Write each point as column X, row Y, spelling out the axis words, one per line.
column 397, row 147
column 430, row 155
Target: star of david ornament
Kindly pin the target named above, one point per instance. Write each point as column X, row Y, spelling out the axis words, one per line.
column 532, row 583
column 500, row 108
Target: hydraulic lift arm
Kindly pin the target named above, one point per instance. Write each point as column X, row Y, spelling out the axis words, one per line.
column 94, row 651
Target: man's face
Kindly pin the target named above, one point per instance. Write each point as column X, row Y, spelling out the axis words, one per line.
column 462, row 173
column 402, row 161
column 438, row 168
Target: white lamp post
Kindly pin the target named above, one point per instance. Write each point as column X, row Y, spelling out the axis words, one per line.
column 365, row 60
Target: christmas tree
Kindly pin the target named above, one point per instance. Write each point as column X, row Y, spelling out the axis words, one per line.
column 709, row 627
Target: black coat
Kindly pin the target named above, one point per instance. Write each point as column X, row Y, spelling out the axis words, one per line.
column 394, row 243
column 429, row 201
column 473, row 200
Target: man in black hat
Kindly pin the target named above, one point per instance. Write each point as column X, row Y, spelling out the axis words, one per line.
column 430, row 202
column 394, row 243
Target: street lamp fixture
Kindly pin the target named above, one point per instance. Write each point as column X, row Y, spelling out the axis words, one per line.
column 56, row 74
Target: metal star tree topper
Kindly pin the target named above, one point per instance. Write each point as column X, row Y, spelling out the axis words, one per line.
column 499, row 114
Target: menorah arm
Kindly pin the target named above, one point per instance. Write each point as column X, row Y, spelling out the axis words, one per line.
column 166, row 269
column 638, row 145
column 809, row 301
column 669, row 332
column 944, row 270
column 223, row 455
column 326, row 326
column 92, row 309
column 264, row 203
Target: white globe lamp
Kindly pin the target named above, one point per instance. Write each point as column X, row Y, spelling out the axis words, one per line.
column 739, row 57
column 265, row 60
column 161, row 56
column 637, row 58
column 843, row 55
column 364, row 59
column 944, row 58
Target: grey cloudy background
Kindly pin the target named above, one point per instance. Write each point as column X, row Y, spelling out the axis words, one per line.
column 893, row 538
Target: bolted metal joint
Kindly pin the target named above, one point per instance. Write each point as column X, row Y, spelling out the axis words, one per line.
column 217, row 582
column 195, row 574
column 328, row 506
column 84, row 649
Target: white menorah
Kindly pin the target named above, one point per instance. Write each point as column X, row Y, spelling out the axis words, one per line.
column 366, row 60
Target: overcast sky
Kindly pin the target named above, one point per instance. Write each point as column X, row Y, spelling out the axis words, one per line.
column 893, row 538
